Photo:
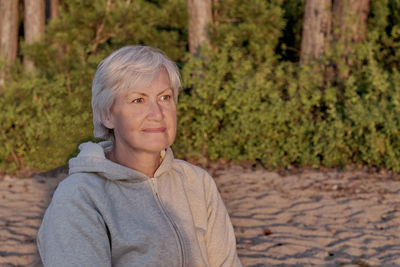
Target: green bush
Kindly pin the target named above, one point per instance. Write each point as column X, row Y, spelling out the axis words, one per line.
column 41, row 123
column 287, row 114
column 244, row 99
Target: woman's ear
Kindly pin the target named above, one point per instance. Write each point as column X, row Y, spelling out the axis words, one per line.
column 107, row 121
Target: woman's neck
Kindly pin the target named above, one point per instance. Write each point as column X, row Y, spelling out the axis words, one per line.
column 142, row 161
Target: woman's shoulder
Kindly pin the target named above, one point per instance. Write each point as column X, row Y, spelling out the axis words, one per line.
column 189, row 167
column 79, row 185
column 192, row 172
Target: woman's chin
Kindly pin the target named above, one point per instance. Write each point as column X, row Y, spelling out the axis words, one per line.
column 156, row 147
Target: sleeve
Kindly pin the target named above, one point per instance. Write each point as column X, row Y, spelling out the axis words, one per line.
column 220, row 237
column 73, row 232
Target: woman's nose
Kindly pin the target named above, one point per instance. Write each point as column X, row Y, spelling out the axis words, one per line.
column 155, row 111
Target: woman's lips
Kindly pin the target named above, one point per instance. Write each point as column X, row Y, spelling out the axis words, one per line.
column 154, row 130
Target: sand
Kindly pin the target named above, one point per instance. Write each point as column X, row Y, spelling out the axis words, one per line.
column 307, row 218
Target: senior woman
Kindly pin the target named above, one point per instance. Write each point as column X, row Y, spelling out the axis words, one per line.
column 127, row 201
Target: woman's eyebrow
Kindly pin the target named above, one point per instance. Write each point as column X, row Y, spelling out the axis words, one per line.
column 166, row 89
column 136, row 93
column 144, row 94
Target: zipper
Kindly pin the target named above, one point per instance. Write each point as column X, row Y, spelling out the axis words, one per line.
column 174, row 226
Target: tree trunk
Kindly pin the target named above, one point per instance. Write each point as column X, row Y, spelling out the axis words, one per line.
column 54, row 8
column 8, row 30
column 316, row 29
column 350, row 20
column 33, row 25
column 8, row 36
column 199, row 17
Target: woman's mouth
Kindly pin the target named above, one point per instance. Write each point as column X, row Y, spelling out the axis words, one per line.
column 155, row 130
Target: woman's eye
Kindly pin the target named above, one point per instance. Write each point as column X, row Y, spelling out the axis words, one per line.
column 138, row 100
column 165, row 97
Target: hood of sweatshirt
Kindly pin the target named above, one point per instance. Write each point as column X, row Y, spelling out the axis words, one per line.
column 92, row 159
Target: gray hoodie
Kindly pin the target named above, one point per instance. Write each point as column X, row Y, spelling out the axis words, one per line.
column 105, row 214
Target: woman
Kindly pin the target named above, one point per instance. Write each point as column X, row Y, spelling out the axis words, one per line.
column 127, row 201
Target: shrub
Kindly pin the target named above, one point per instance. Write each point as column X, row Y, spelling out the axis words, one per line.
column 287, row 114
column 244, row 98
column 41, row 122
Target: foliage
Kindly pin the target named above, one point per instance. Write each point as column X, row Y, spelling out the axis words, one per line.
column 252, row 26
column 244, row 98
column 287, row 114
column 40, row 122
column 290, row 42
column 384, row 32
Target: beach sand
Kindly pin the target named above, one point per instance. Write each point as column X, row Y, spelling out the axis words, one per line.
column 296, row 218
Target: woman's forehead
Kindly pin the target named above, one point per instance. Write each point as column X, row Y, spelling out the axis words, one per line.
column 131, row 79
column 159, row 84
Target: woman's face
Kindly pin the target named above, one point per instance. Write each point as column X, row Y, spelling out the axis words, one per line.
column 144, row 119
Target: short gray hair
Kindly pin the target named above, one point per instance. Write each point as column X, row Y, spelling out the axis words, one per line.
column 128, row 67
